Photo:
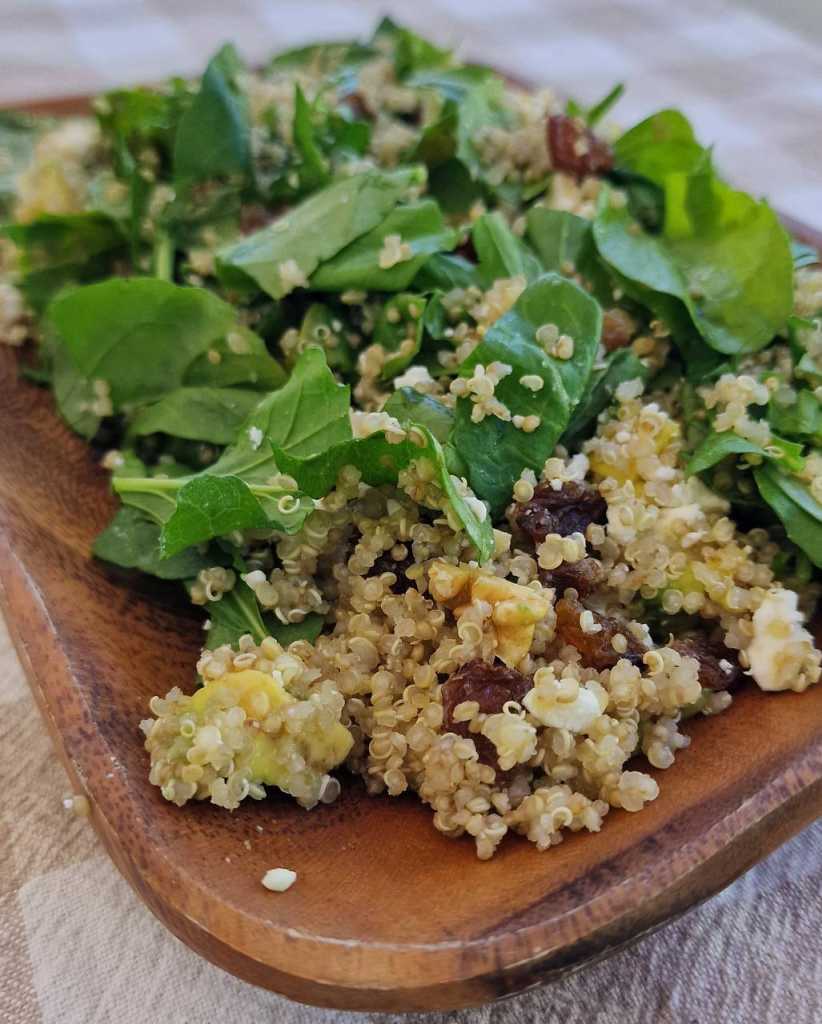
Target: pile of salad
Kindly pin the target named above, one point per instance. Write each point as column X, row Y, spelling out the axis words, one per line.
column 486, row 434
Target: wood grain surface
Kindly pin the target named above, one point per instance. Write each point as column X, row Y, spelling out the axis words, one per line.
column 386, row 914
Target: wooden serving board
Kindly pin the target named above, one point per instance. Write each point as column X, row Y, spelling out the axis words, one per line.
column 386, row 914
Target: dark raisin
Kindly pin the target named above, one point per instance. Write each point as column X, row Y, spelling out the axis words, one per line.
column 569, row 510
column 584, row 576
column 575, row 149
column 709, row 653
column 490, row 685
column 596, row 649
column 385, row 563
column 618, row 328
column 356, row 103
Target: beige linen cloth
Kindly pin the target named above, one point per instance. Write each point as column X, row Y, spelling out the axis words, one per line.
column 76, row 945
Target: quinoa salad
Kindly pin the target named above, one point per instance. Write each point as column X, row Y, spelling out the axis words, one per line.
column 486, row 433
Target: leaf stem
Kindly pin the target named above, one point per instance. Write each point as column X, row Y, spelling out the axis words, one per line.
column 164, row 256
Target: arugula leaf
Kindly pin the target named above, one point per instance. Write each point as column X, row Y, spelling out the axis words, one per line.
column 313, row 167
column 214, row 134
column 132, row 541
column 479, row 94
column 309, row 413
column 495, row 451
column 241, row 359
column 557, row 236
column 60, row 249
column 420, row 225
column 317, row 229
column 620, row 366
column 381, row 463
column 726, row 260
column 596, row 113
column 797, row 510
column 198, row 414
column 438, row 141
column 138, row 334
column 499, row 252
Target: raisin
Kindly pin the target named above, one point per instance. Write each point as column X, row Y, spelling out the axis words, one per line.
column 385, row 563
column 709, row 653
column 596, row 649
column 569, row 510
column 356, row 103
column 584, row 576
column 490, row 685
column 618, row 328
column 575, row 149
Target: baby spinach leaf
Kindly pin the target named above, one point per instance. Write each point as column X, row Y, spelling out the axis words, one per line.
column 438, row 142
column 420, row 225
column 797, row 510
column 240, row 358
column 445, row 271
column 138, row 334
column 235, row 614
column 132, row 541
column 718, row 446
column 728, row 262
column 307, row 415
column 214, row 135
column 198, row 414
column 557, row 236
column 323, row 328
column 286, row 633
column 399, row 331
column 317, row 229
column 238, row 613
column 74, row 394
column 409, row 406
column 60, row 249
column 620, row 366
column 495, row 451
column 803, row 418
column 381, row 463
column 661, row 145
column 209, row 506
column 499, row 252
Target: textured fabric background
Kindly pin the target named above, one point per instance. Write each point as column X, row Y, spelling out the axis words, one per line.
column 76, row 946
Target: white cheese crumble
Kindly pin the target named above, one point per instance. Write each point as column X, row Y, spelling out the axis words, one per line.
column 780, row 649
column 279, row 879
column 255, row 436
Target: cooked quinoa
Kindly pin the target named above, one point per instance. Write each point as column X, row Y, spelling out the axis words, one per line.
column 492, row 458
